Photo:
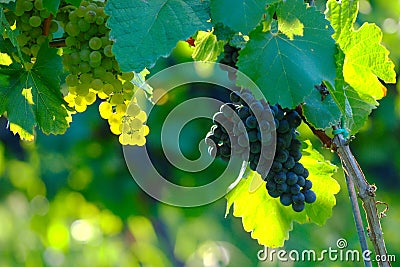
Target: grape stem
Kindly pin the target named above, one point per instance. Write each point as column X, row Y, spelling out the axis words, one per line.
column 357, row 217
column 366, row 192
column 325, row 139
column 46, row 25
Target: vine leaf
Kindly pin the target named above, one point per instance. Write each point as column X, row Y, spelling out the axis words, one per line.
column 321, row 113
column 267, row 219
column 288, row 23
column 354, row 106
column 366, row 59
column 207, row 47
column 32, row 97
column 143, row 31
column 240, row 15
column 51, row 5
column 290, row 67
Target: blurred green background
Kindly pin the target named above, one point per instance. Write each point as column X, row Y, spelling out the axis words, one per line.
column 70, row 201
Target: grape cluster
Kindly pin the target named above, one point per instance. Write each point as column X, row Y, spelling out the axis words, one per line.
column 287, row 177
column 93, row 70
column 230, row 58
column 29, row 16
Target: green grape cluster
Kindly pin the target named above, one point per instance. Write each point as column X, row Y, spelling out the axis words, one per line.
column 29, row 16
column 94, row 71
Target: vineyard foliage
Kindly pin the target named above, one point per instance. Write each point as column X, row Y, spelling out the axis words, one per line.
column 101, row 53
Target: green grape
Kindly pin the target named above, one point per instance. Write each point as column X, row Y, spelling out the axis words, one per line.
column 128, row 86
column 75, row 59
column 84, row 67
column 22, row 39
column 103, row 29
column 90, row 97
column 86, row 78
column 94, row 64
column 28, row 5
column 99, row 20
column 95, row 43
column 90, row 16
column 96, row 84
column 25, row 27
column 35, row 33
column 71, row 80
column 41, row 39
column 44, row 13
column 91, row 7
column 82, row 89
column 35, row 49
column 95, row 56
column 133, row 110
column 83, row 25
column 108, row 51
column 107, row 63
column 26, row 50
column 73, row 17
column 70, row 41
column 80, row 12
column 72, row 29
column 116, row 66
column 105, row 41
column 108, row 89
column 19, row 8
column 127, row 76
column 25, row 18
column 53, row 27
column 121, row 108
column 117, row 99
column 117, row 85
column 38, row 4
column 109, row 77
column 84, row 54
column 99, row 73
column 35, row 21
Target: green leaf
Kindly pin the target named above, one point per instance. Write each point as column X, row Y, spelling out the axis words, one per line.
column 223, row 32
column 288, row 23
column 6, row 1
column 366, row 59
column 33, row 97
column 321, row 113
column 269, row 221
column 342, row 16
column 291, row 67
column 207, row 47
column 144, row 31
column 51, row 5
column 355, row 107
column 74, row 2
column 240, row 15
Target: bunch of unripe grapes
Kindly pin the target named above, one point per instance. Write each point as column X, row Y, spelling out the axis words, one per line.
column 287, row 177
column 29, row 16
column 93, row 70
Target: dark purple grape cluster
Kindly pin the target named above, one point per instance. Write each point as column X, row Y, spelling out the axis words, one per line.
column 231, row 54
column 244, row 128
column 287, row 178
column 230, row 58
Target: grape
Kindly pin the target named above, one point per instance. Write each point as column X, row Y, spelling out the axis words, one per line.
column 291, row 178
column 298, row 168
column 235, row 98
column 105, row 110
column 108, row 51
column 95, row 56
column 35, row 21
column 286, row 199
column 71, row 80
column 280, row 177
column 90, row 16
column 298, row 198
column 307, row 185
column 251, row 122
column 295, row 189
column 72, row 29
column 298, row 207
column 83, row 25
column 309, row 196
column 38, row 4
